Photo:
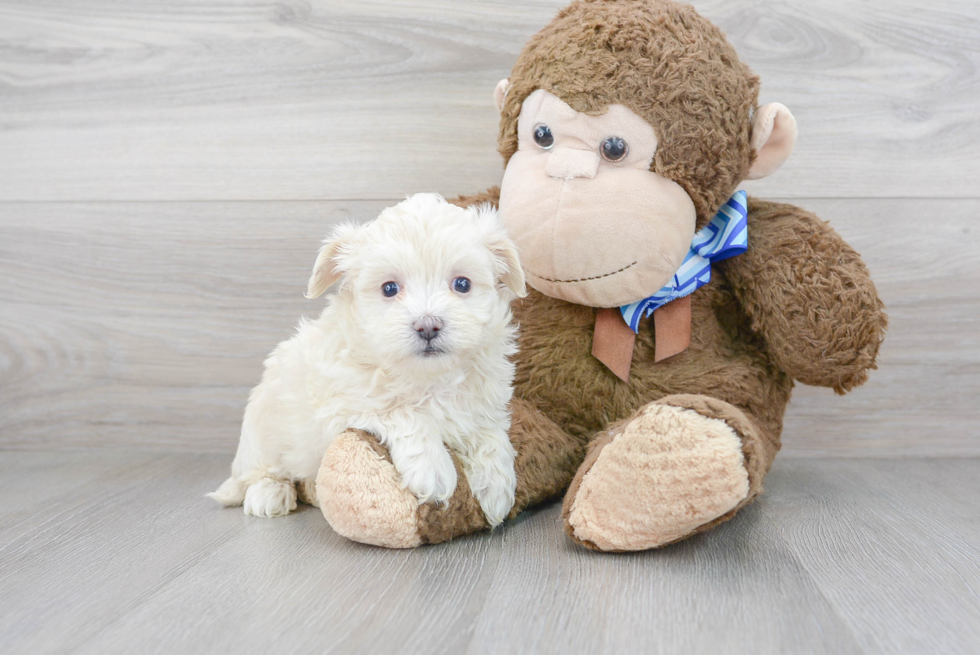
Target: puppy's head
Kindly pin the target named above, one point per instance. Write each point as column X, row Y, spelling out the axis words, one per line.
column 426, row 283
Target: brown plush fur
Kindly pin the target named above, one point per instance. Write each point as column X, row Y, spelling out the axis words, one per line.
column 757, row 452
column 809, row 295
column 798, row 305
column 657, row 478
column 547, row 458
column 664, row 62
column 362, row 495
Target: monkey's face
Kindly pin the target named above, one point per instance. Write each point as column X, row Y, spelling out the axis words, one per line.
column 593, row 224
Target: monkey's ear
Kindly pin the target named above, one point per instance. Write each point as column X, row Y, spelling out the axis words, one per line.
column 773, row 137
column 330, row 266
column 500, row 93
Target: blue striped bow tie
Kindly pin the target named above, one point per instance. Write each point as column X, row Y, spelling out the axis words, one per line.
column 725, row 236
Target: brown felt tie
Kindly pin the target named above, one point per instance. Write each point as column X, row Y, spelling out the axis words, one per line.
column 613, row 341
column 672, row 328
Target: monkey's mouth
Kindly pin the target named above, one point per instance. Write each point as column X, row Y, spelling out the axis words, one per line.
column 581, row 279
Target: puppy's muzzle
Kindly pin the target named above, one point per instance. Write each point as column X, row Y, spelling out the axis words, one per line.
column 427, row 327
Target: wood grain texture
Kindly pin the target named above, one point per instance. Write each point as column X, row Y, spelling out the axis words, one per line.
column 860, row 556
column 340, row 99
column 134, row 329
column 893, row 545
column 30, row 487
column 145, row 324
column 737, row 590
column 924, row 257
column 101, row 547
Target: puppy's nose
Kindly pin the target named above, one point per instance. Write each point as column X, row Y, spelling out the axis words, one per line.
column 428, row 327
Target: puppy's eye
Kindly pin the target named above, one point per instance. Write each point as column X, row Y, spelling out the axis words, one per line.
column 543, row 136
column 613, row 148
column 389, row 289
column 461, row 285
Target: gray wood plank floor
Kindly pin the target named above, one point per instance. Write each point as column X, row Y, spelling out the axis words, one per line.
column 119, row 552
column 339, row 99
column 125, row 324
column 167, row 169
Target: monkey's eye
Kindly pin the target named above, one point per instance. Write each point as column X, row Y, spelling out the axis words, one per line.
column 389, row 289
column 461, row 285
column 613, row 148
column 543, row 136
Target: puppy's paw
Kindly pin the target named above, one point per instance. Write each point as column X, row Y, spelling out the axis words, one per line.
column 427, row 471
column 497, row 499
column 489, row 465
column 268, row 497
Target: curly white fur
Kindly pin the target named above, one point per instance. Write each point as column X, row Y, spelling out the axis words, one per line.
column 364, row 364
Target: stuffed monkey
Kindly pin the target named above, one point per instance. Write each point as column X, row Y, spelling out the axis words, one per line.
column 669, row 314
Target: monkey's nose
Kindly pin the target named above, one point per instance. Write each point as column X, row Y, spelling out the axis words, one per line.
column 566, row 163
column 427, row 327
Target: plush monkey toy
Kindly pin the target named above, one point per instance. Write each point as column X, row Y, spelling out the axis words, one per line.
column 626, row 128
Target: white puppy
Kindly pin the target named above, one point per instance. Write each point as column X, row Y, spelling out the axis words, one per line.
column 413, row 348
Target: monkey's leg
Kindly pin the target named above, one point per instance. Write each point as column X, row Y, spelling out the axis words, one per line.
column 679, row 466
column 362, row 498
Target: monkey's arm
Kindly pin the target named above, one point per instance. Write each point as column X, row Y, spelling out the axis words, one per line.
column 809, row 295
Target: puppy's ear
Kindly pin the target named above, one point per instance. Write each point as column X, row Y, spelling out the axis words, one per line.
column 506, row 261
column 330, row 266
column 510, row 271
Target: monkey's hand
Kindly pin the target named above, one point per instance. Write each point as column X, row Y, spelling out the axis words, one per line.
column 360, row 492
column 809, row 295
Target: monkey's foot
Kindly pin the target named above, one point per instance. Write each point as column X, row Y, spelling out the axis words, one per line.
column 361, row 495
column 656, row 479
column 362, row 498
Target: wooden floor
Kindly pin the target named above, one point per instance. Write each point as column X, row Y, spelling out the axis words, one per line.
column 169, row 167
column 167, row 170
column 119, row 552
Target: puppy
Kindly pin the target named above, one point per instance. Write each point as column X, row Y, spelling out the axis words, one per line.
column 414, row 348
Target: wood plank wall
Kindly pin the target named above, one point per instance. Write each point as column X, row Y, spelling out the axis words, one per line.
column 168, row 168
